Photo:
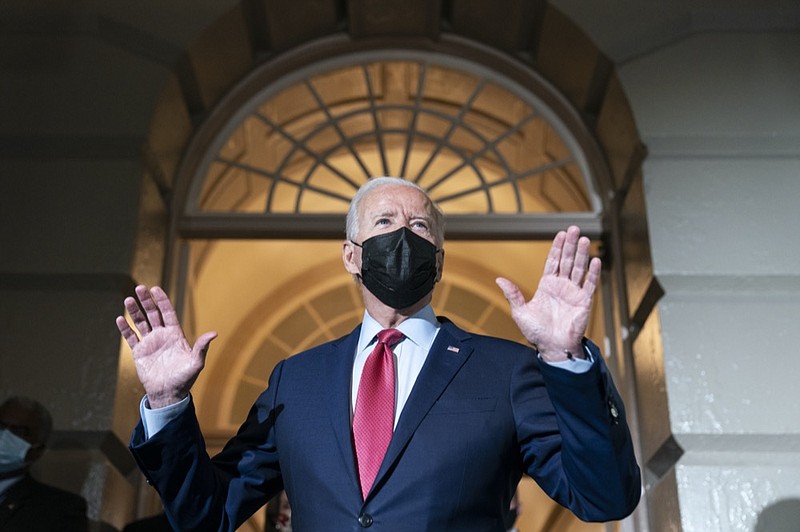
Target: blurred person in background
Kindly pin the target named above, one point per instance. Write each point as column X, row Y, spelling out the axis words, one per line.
column 27, row 505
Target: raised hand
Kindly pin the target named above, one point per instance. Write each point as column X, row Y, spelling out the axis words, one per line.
column 555, row 319
column 165, row 362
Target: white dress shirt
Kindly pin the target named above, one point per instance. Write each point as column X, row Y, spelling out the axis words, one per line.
column 409, row 354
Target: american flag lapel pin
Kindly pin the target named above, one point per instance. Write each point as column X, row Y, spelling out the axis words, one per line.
column 453, row 348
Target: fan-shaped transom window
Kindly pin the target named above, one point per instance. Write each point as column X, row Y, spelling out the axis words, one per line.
column 479, row 143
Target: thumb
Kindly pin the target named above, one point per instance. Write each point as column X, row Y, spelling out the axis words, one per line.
column 202, row 344
column 511, row 291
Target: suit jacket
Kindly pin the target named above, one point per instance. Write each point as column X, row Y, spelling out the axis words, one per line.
column 30, row 506
column 482, row 412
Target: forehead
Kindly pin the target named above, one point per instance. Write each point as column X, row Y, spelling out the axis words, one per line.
column 396, row 199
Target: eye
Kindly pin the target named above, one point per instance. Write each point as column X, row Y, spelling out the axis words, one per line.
column 382, row 221
column 419, row 224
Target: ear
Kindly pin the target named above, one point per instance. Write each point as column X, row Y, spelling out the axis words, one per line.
column 351, row 257
column 439, row 265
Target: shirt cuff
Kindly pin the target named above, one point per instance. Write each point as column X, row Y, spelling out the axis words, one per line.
column 155, row 419
column 574, row 365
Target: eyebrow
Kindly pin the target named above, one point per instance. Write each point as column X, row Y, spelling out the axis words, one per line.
column 393, row 214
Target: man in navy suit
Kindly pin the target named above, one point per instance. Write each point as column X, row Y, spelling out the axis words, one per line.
column 471, row 413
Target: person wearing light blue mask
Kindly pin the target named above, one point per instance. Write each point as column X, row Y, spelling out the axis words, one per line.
column 25, row 503
column 13, row 451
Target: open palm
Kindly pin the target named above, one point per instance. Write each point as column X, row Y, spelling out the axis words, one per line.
column 166, row 364
column 555, row 319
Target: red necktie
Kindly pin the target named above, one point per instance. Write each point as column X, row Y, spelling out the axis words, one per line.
column 373, row 418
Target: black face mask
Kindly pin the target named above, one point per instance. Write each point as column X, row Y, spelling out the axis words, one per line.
column 399, row 268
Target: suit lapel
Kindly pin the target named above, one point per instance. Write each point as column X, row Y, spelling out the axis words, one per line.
column 340, row 371
column 448, row 353
column 15, row 498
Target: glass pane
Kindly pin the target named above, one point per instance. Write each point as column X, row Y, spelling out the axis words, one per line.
column 307, row 148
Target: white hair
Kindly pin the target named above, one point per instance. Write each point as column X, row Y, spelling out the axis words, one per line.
column 354, row 212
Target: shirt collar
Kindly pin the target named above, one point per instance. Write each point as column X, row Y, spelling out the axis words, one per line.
column 421, row 328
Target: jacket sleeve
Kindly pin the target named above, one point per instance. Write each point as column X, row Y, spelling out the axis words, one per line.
column 575, row 439
column 200, row 493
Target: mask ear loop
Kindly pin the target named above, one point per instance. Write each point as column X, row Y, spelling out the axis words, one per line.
column 358, row 275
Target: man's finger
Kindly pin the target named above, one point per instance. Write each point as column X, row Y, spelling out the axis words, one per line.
column 595, row 265
column 149, row 306
column 554, row 256
column 581, row 261
column 165, row 307
column 125, row 330
column 511, row 291
column 202, row 344
column 568, row 252
column 137, row 316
